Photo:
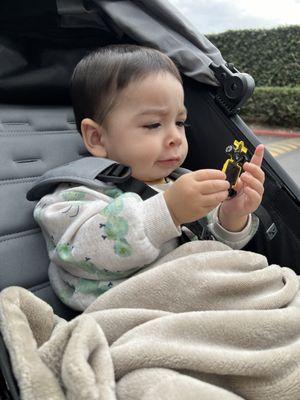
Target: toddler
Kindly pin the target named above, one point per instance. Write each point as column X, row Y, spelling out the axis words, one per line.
column 129, row 107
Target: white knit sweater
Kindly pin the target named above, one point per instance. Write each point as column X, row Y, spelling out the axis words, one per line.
column 98, row 238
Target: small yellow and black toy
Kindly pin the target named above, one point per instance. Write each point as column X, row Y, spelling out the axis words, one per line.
column 233, row 167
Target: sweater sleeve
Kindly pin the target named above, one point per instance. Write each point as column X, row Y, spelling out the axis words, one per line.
column 236, row 240
column 105, row 230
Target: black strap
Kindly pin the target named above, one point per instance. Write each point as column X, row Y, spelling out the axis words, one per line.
column 115, row 173
column 199, row 228
column 92, row 171
column 136, row 186
column 270, row 228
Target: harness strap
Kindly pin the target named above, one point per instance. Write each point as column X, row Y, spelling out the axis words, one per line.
column 89, row 171
column 270, row 229
column 199, row 228
column 95, row 172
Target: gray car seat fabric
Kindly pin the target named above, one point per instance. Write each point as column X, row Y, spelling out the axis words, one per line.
column 32, row 140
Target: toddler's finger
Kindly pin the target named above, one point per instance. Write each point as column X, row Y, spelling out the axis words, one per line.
column 254, row 170
column 208, row 174
column 213, row 186
column 239, row 185
column 253, row 183
column 252, row 196
column 258, row 155
column 213, row 200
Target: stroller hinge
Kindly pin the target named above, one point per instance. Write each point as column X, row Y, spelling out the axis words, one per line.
column 235, row 87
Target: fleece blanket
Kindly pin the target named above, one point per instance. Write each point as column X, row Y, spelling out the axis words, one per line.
column 206, row 322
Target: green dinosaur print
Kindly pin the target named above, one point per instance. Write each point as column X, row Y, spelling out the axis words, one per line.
column 87, row 286
column 116, row 227
column 87, row 266
column 103, row 274
column 113, row 192
column 73, row 195
column 114, row 207
column 38, row 211
column 122, row 248
column 64, row 252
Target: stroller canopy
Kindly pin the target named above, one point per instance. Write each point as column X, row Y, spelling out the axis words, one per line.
column 41, row 43
column 156, row 24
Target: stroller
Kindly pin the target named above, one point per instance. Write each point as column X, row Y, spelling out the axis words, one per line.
column 41, row 42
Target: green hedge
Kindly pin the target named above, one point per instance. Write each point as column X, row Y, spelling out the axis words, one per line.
column 274, row 106
column 271, row 56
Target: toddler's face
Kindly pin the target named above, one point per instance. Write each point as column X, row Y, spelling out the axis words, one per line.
column 145, row 129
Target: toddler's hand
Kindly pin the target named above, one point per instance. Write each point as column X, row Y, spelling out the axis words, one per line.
column 194, row 195
column 250, row 189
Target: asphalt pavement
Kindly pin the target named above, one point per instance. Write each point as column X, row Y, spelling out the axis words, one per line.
column 284, row 145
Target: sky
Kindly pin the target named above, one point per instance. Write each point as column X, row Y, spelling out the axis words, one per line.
column 215, row 16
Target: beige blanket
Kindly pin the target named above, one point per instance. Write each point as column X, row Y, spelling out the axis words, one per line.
column 206, row 322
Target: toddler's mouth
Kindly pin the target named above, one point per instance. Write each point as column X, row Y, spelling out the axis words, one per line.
column 169, row 161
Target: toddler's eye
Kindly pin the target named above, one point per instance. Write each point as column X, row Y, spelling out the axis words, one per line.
column 152, row 126
column 182, row 124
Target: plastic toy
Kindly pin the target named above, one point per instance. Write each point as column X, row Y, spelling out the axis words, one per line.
column 234, row 165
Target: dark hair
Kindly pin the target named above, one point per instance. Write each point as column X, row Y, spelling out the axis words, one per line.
column 100, row 76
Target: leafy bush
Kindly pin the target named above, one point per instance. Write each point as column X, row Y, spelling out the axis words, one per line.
column 274, row 106
column 271, row 56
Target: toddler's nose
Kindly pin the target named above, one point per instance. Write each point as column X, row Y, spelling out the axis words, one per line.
column 175, row 136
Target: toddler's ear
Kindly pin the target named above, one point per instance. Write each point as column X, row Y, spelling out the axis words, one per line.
column 92, row 137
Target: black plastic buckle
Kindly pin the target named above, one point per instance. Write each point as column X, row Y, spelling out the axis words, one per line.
column 116, row 173
column 200, row 229
column 271, row 231
column 206, row 235
column 235, row 89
